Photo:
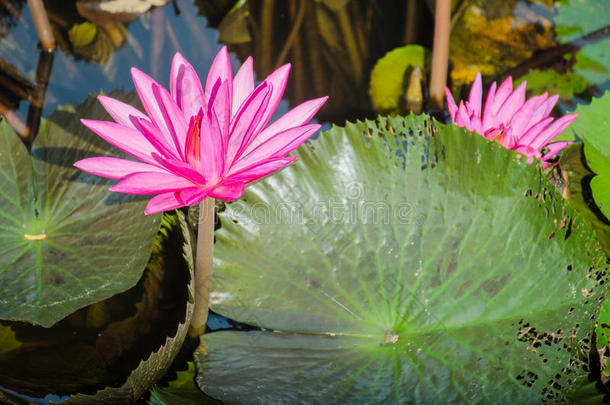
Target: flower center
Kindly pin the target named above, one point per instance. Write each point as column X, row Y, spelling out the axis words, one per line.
column 193, row 142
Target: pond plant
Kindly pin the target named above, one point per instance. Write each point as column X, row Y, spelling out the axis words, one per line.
column 455, row 258
column 199, row 143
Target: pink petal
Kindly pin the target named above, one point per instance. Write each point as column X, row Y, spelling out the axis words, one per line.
column 127, row 139
column 277, row 146
column 277, row 80
column 114, row 168
column 185, row 87
column 220, row 103
column 160, row 113
column 552, row 131
column 219, row 73
column 504, row 91
column 298, row 116
column 151, row 183
column 243, row 84
column 180, row 169
column 175, row 199
column 155, row 137
column 261, row 169
column 246, row 120
column 228, row 191
column 451, row 106
column 512, row 104
column 534, row 131
column 462, row 119
column 555, row 148
column 487, row 115
column 476, row 93
column 122, row 113
column 213, row 157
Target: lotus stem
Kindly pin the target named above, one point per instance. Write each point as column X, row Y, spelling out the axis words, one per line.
column 203, row 267
column 350, row 42
column 43, row 73
column 411, row 26
column 294, row 33
column 266, row 42
column 440, row 53
column 43, row 27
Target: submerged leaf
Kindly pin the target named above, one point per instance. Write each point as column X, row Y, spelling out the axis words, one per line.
column 66, row 240
column 402, row 261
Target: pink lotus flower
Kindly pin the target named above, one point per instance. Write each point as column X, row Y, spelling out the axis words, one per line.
column 195, row 142
column 517, row 124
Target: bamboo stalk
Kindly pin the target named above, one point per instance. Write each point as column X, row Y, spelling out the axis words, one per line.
column 440, row 53
column 203, row 267
column 43, row 27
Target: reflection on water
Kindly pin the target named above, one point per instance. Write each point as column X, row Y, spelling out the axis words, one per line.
column 332, row 48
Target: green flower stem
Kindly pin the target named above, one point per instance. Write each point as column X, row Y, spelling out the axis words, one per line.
column 203, row 267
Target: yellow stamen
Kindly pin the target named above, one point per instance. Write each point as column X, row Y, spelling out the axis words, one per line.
column 35, row 237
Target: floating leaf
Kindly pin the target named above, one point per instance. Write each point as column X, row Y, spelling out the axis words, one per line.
column 393, row 265
column 66, row 240
column 593, row 127
column 181, row 391
column 114, row 350
column 565, row 84
column 576, row 18
column 388, row 84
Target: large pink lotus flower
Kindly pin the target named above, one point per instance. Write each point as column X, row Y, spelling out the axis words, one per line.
column 517, row 124
column 196, row 142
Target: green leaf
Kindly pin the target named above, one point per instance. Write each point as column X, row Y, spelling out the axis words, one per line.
column 66, row 240
column 181, row 391
column 579, row 176
column 388, row 86
column 600, row 186
column 114, row 350
column 393, row 265
column 593, row 127
column 565, row 84
column 581, row 17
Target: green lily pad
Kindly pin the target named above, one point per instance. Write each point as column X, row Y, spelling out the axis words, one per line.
column 66, row 240
column 402, row 261
column 565, row 84
column 388, row 85
column 114, row 350
column 576, row 18
column 181, row 391
column 592, row 126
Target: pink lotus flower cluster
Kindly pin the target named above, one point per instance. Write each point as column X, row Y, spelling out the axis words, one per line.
column 196, row 142
column 517, row 124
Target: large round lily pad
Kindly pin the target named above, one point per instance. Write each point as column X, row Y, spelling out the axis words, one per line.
column 66, row 240
column 402, row 261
